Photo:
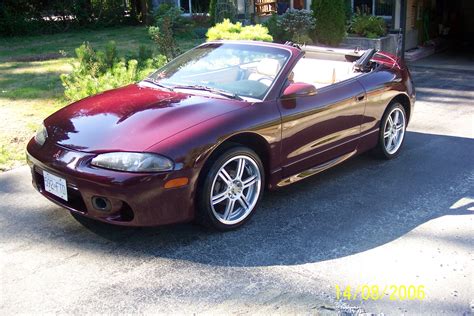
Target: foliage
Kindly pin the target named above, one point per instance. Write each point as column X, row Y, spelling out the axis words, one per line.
column 212, row 12
column 22, row 17
column 230, row 31
column 348, row 9
column 96, row 71
column 15, row 21
column 278, row 34
column 297, row 25
column 225, row 9
column 330, row 17
column 368, row 25
column 201, row 20
column 164, row 38
column 200, row 32
column 179, row 24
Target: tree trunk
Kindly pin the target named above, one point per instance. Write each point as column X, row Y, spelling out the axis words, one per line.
column 144, row 10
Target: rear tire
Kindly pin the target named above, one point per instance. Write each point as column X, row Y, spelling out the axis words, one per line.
column 231, row 189
column 392, row 132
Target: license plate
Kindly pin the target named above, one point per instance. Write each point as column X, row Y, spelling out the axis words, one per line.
column 55, row 185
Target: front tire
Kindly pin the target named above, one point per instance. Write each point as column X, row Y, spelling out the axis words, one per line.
column 231, row 190
column 392, row 132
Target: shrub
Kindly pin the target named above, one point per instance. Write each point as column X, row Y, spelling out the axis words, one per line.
column 179, row 24
column 368, row 25
column 164, row 38
column 230, row 31
column 225, row 9
column 97, row 71
column 275, row 30
column 201, row 20
column 199, row 32
column 212, row 12
column 144, row 53
column 348, row 9
column 297, row 24
column 330, row 17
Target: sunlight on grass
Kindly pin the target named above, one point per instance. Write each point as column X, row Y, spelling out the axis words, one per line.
column 128, row 39
column 37, row 67
column 22, row 118
column 40, row 84
column 29, row 92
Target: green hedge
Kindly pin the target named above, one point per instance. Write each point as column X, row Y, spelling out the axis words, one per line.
column 330, row 21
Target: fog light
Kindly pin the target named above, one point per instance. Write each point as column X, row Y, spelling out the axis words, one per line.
column 101, row 203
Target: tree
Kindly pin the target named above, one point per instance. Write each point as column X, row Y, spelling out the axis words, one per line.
column 140, row 9
column 222, row 9
column 212, row 11
column 330, row 21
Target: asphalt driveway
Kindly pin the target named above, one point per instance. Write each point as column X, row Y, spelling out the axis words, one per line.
column 409, row 221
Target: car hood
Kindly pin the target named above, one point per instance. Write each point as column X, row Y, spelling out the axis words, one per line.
column 132, row 118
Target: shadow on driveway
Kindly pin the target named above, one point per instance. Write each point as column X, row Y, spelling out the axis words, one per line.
column 352, row 208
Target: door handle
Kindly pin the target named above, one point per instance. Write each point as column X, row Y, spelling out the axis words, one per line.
column 360, row 97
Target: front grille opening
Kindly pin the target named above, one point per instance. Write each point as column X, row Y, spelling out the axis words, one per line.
column 126, row 213
column 74, row 197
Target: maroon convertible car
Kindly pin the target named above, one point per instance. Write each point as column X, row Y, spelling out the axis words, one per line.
column 202, row 137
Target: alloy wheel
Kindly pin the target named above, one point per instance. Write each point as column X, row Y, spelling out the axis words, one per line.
column 394, row 130
column 235, row 190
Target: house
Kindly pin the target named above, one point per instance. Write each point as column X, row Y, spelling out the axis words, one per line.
column 420, row 20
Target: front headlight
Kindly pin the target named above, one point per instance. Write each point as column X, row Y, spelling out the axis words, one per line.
column 133, row 162
column 41, row 135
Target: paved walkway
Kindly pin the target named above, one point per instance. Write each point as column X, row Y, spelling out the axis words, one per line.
column 404, row 222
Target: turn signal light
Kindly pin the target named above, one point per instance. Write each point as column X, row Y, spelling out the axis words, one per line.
column 175, row 183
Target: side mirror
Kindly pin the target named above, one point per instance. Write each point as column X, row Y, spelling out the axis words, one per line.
column 296, row 90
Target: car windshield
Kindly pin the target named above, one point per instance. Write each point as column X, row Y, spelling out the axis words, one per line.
column 231, row 70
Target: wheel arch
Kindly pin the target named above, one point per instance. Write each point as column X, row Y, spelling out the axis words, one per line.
column 252, row 140
column 404, row 100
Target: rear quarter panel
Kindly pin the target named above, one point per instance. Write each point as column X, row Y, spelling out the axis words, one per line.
column 382, row 86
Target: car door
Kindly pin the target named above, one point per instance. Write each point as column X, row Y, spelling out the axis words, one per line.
column 321, row 127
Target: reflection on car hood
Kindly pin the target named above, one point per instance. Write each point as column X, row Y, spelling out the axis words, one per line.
column 131, row 118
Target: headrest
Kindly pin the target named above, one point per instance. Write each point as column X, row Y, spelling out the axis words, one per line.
column 268, row 67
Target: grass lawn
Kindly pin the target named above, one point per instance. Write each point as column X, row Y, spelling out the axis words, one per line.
column 31, row 90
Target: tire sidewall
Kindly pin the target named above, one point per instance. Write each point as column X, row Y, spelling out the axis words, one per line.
column 206, row 215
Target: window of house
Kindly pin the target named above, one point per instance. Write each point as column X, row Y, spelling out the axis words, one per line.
column 362, row 6
column 376, row 7
column 197, row 6
column 384, row 7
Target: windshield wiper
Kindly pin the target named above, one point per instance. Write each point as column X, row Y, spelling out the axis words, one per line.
column 224, row 93
column 157, row 83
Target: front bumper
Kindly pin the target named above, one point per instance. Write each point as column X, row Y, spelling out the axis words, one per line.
column 136, row 199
